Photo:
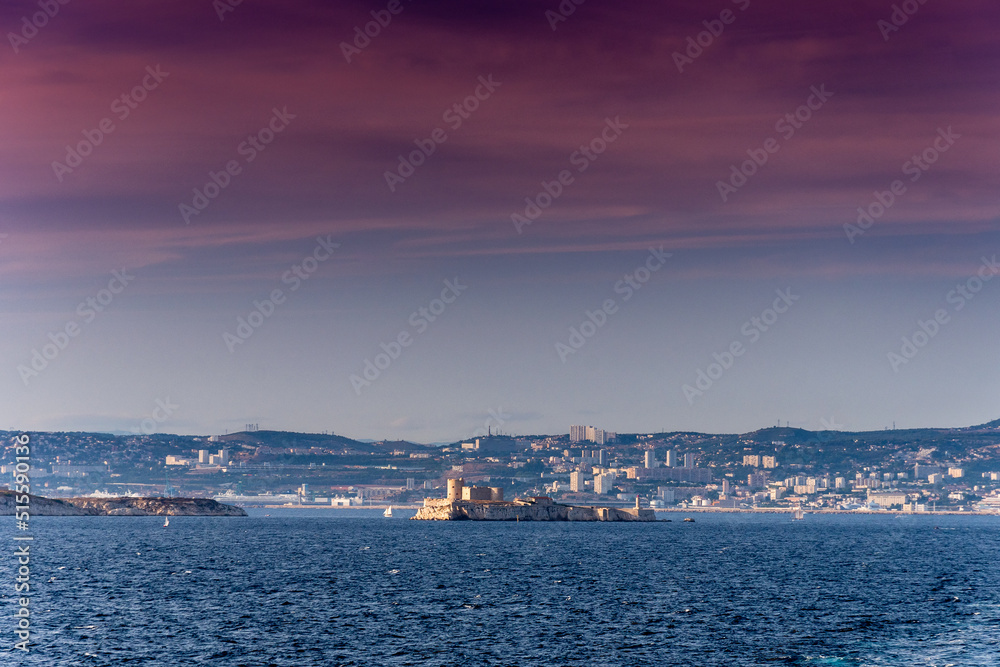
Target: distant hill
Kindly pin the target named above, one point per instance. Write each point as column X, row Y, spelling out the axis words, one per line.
column 293, row 439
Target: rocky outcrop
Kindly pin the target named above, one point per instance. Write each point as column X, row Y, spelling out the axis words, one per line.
column 122, row 506
column 465, row 510
column 39, row 506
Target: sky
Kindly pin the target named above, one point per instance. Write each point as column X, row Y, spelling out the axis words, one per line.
column 425, row 220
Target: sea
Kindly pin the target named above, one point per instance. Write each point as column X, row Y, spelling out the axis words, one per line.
column 295, row 588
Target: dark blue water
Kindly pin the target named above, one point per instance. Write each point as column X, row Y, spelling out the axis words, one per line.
column 347, row 588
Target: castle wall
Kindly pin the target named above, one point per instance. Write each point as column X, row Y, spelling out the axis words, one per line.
column 520, row 511
column 476, row 493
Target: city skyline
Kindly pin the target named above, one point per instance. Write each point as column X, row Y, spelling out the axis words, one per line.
column 420, row 221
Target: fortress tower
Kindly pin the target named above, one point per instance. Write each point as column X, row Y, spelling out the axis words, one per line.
column 455, row 489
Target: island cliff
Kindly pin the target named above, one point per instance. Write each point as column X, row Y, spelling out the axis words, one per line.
column 121, row 506
column 487, row 504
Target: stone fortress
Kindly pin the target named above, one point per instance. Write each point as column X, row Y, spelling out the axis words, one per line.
column 483, row 503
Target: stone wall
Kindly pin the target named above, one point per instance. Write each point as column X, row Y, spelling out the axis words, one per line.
column 521, row 511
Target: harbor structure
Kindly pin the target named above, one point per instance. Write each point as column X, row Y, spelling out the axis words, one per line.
column 479, row 503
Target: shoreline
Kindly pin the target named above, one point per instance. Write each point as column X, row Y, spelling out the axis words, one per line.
column 675, row 510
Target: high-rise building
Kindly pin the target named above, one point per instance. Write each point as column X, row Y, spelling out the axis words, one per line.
column 596, row 435
column 751, row 460
column 603, row 483
column 602, row 458
column 592, row 434
column 650, row 459
column 576, row 481
column 769, row 461
column 202, row 456
column 411, row 483
column 725, row 486
column 689, row 460
column 671, row 460
column 840, row 483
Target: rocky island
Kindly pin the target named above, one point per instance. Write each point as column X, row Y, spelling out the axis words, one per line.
column 475, row 503
column 119, row 506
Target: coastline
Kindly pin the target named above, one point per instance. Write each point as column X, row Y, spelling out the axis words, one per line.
column 117, row 506
column 672, row 510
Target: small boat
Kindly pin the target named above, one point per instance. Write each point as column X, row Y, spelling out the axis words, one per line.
column 689, row 520
column 166, row 521
column 799, row 514
column 388, row 512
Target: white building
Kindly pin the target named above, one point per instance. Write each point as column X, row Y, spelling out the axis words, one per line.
column 219, row 459
column 603, row 483
column 591, row 434
column 650, row 460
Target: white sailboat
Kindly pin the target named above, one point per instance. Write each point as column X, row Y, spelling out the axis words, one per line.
column 388, row 512
column 166, row 521
column 799, row 514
